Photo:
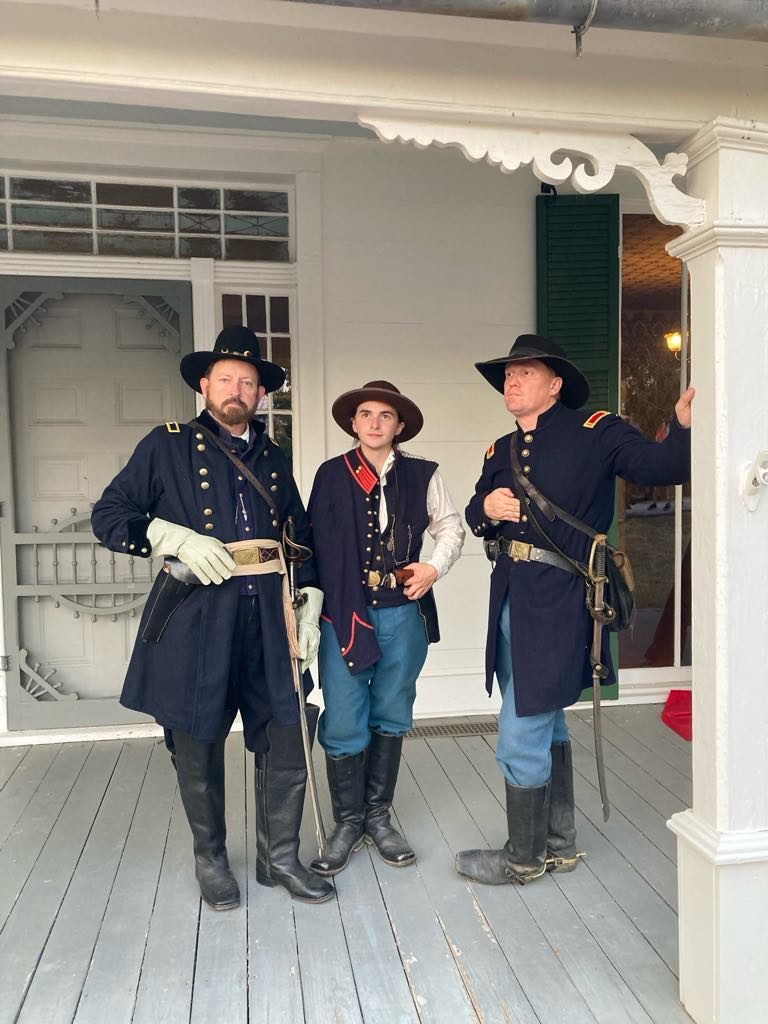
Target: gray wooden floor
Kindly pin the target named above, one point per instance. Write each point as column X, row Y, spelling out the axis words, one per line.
column 100, row 919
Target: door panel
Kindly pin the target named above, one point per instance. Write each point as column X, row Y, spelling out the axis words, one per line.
column 90, row 370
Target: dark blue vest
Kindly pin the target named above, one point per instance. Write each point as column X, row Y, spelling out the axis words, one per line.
column 344, row 510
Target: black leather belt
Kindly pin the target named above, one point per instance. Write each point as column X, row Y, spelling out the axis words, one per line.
column 520, row 551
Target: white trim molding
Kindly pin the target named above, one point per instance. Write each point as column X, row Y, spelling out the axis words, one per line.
column 509, row 146
column 719, row 848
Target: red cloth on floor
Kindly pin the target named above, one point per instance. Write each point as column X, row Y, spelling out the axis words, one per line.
column 678, row 713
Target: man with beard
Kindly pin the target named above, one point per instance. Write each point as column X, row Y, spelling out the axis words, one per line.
column 211, row 496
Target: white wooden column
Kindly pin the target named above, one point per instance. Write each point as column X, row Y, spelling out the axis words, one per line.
column 723, row 840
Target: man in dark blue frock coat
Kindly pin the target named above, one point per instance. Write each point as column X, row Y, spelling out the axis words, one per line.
column 539, row 627
column 218, row 645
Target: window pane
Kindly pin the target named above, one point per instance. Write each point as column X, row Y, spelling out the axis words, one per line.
column 200, row 223
column 256, row 249
column 2, row 211
column 56, row 191
column 2, row 187
column 232, row 310
column 3, row 238
column 256, row 307
column 255, row 225
column 248, row 199
column 199, row 198
column 134, row 220
column 209, row 248
column 135, row 245
column 118, row 194
column 281, row 354
column 53, row 216
column 51, row 241
column 282, row 434
column 278, row 314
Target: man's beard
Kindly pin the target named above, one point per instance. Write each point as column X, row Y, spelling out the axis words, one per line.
column 234, row 413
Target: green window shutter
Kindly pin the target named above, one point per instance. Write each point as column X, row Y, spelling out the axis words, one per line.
column 578, row 293
column 577, row 253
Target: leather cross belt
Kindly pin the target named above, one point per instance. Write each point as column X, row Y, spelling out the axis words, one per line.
column 520, row 551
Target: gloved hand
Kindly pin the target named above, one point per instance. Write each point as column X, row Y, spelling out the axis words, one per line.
column 207, row 557
column 308, row 625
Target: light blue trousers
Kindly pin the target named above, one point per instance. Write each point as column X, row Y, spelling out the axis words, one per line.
column 380, row 698
column 524, row 748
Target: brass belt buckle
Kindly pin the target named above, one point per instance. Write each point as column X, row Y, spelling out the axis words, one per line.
column 520, row 551
column 374, row 579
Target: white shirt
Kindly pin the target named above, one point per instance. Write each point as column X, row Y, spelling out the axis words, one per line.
column 444, row 521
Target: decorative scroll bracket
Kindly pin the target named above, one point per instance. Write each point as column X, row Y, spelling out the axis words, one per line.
column 27, row 306
column 160, row 313
column 510, row 146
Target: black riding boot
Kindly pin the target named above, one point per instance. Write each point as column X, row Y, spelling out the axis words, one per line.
column 281, row 779
column 200, row 771
column 524, row 856
column 561, row 840
column 346, row 781
column 381, row 768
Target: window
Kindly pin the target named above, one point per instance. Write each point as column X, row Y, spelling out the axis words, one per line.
column 268, row 316
column 112, row 218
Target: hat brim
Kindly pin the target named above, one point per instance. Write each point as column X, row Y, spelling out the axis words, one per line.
column 345, row 407
column 574, row 392
column 195, row 364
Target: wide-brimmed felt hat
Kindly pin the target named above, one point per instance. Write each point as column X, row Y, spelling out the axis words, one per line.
column 575, row 389
column 345, row 407
column 236, row 342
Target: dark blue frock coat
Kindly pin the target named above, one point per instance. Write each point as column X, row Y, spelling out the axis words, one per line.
column 182, row 681
column 573, row 459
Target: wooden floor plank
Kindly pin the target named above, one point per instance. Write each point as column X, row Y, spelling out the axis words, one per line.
column 380, row 979
column 220, row 992
column 651, row 731
column 641, row 755
column 568, row 942
column 10, row 759
column 492, row 977
column 167, row 975
column 650, row 914
column 110, row 988
column 22, row 785
column 30, row 833
column 274, row 972
column 327, row 982
column 55, row 989
column 637, row 778
column 626, row 801
column 29, row 924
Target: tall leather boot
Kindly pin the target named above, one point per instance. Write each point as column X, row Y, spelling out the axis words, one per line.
column 524, row 855
column 200, row 771
column 281, row 779
column 346, row 781
column 561, row 838
column 381, row 768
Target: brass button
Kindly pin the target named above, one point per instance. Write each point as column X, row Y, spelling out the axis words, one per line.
column 378, row 558
column 124, row 543
column 351, row 664
column 209, row 526
column 132, row 546
column 198, row 437
column 201, row 447
column 144, row 551
column 528, row 438
column 525, row 453
column 526, row 469
column 274, row 522
column 207, row 511
column 374, row 601
column 240, row 479
column 369, row 536
column 274, row 476
column 203, row 471
column 523, row 519
column 273, row 487
column 367, row 549
column 205, row 485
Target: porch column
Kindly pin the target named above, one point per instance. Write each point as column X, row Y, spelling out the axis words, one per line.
column 723, row 840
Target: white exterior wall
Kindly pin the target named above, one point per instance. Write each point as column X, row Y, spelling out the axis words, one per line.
column 429, row 265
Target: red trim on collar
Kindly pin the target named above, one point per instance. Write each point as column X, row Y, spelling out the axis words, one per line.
column 362, row 474
column 356, row 620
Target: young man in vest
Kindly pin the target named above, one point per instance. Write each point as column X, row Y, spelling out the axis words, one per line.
column 369, row 509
